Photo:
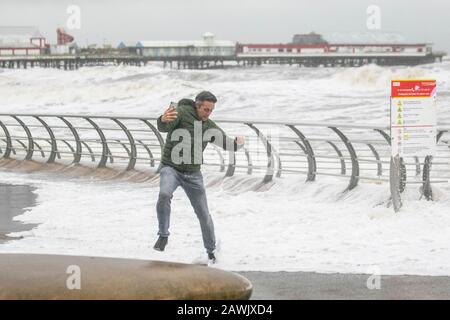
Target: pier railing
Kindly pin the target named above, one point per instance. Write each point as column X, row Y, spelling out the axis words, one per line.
column 273, row 149
column 73, row 62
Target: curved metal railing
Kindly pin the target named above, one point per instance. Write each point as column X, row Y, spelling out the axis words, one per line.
column 273, row 149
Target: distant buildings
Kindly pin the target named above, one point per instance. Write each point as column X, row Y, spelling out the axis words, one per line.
column 127, row 48
column 20, row 41
column 208, row 46
column 313, row 44
column 28, row 41
column 310, row 38
column 65, row 44
column 305, row 50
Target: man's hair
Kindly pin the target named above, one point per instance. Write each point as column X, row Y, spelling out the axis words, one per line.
column 189, row 102
column 205, row 96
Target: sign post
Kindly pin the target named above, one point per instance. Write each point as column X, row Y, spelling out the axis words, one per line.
column 413, row 128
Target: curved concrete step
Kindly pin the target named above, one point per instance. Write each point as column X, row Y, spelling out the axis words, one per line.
column 32, row 276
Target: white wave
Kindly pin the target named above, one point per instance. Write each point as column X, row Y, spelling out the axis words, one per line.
column 292, row 226
column 379, row 78
column 273, row 92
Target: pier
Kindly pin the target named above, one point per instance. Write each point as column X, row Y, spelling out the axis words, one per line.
column 68, row 62
column 74, row 62
column 340, row 60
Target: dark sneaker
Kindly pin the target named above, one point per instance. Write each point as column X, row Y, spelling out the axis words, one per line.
column 161, row 243
column 212, row 258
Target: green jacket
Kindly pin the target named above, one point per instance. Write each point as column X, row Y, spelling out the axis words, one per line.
column 188, row 136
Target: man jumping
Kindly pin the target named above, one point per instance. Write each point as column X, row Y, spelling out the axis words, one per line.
column 182, row 159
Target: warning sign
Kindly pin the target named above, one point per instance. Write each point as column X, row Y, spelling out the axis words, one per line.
column 413, row 117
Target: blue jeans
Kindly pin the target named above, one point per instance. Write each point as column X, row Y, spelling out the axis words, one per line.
column 192, row 183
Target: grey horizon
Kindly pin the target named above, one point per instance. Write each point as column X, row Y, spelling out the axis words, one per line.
column 247, row 21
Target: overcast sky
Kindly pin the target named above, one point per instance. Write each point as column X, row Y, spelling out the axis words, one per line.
column 112, row 21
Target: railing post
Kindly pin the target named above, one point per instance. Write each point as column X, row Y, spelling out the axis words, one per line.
column 231, row 163
column 90, row 151
column 152, row 160
column 270, row 159
column 69, row 146
column 312, row 166
column 355, row 165
column 40, row 149
column 124, row 146
column 23, row 145
column 417, row 162
column 78, row 150
column 426, row 185
column 385, row 135
column 8, row 141
column 402, row 175
column 30, row 150
column 401, row 163
column 58, row 155
column 54, row 149
column 341, row 157
column 377, row 157
column 156, row 133
column 105, row 149
column 133, row 151
column 440, row 134
column 394, row 183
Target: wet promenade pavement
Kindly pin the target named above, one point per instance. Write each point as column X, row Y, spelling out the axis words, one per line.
column 319, row 286
column 13, row 201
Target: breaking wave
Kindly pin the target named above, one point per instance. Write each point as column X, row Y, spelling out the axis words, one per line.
column 269, row 91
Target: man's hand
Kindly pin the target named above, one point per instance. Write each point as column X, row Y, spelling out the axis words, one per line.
column 240, row 141
column 169, row 115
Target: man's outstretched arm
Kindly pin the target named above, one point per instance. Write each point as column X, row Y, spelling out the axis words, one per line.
column 225, row 142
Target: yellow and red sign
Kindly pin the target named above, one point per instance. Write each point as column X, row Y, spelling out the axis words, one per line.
column 413, row 88
column 413, row 117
